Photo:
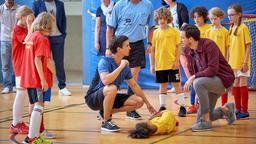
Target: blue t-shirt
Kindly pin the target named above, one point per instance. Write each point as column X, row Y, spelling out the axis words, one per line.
column 107, row 64
column 131, row 19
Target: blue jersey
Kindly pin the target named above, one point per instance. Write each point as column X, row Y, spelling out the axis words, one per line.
column 108, row 65
column 131, row 19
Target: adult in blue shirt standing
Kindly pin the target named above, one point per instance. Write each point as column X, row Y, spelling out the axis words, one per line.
column 131, row 18
column 103, row 92
column 57, row 37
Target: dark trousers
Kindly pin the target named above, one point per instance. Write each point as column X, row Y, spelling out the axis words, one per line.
column 57, row 47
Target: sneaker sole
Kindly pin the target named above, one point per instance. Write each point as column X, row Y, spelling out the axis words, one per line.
column 247, row 118
column 132, row 118
column 202, row 130
column 61, row 94
column 107, row 130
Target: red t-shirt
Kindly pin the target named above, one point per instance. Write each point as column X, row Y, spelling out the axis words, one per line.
column 18, row 35
column 37, row 46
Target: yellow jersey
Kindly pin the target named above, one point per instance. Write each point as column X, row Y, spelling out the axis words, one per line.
column 203, row 30
column 237, row 48
column 220, row 37
column 165, row 43
column 165, row 124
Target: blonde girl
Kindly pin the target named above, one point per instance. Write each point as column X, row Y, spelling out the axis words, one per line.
column 220, row 35
column 25, row 18
column 37, row 64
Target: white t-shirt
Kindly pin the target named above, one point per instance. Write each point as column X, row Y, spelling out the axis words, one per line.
column 175, row 17
column 51, row 8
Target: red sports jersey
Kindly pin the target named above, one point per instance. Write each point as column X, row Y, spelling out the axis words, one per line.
column 37, row 46
column 18, row 35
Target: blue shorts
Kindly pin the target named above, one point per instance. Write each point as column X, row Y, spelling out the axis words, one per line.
column 36, row 95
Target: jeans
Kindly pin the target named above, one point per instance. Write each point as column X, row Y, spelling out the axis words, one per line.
column 57, row 48
column 7, row 69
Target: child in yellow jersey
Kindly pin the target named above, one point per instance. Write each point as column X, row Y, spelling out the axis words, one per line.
column 200, row 16
column 163, row 122
column 239, row 59
column 220, row 36
column 164, row 58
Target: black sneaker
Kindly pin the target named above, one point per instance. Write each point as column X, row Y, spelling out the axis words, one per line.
column 182, row 112
column 109, row 126
column 100, row 115
column 162, row 108
column 133, row 115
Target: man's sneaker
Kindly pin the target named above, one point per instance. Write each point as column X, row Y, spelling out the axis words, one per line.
column 14, row 89
column 48, row 135
column 192, row 109
column 182, row 112
column 6, row 90
column 133, row 115
column 64, row 92
column 162, row 108
column 202, row 125
column 109, row 126
column 243, row 115
column 230, row 115
column 20, row 128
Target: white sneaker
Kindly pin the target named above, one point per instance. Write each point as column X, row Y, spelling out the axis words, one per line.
column 6, row 90
column 14, row 89
column 64, row 92
column 171, row 90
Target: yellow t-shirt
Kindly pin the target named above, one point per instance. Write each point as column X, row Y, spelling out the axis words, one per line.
column 165, row 124
column 203, row 30
column 165, row 43
column 238, row 47
column 220, row 37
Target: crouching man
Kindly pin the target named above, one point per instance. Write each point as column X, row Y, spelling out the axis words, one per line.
column 103, row 92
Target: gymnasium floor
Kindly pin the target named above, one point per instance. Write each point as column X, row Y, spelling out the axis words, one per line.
column 74, row 123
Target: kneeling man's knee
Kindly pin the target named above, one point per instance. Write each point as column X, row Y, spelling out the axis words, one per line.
column 110, row 90
column 197, row 84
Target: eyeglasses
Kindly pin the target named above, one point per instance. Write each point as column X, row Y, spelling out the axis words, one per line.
column 230, row 15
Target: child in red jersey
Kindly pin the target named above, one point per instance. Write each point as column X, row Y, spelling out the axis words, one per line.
column 25, row 18
column 37, row 71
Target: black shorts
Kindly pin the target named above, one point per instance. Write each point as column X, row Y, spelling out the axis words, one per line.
column 95, row 100
column 35, row 95
column 137, row 56
column 164, row 76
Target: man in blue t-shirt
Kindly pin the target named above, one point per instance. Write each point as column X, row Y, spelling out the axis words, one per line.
column 111, row 72
column 132, row 18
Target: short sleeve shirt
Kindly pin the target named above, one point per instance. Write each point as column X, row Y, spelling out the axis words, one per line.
column 108, row 65
column 37, row 46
